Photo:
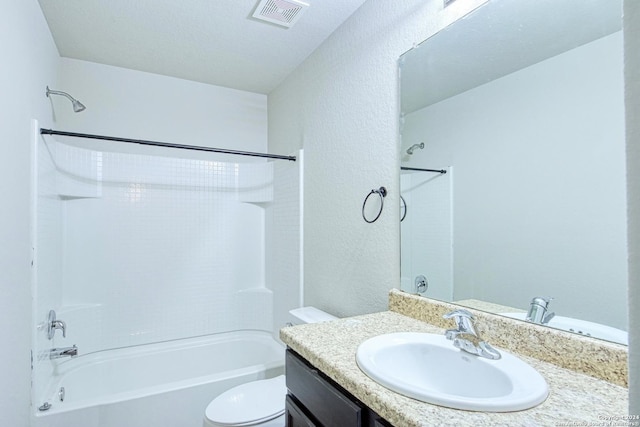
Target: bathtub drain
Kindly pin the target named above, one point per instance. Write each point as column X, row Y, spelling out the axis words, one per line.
column 61, row 394
column 45, row 406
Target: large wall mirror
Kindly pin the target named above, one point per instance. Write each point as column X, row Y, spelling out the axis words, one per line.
column 521, row 104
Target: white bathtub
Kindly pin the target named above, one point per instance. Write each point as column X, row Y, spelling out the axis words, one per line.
column 157, row 385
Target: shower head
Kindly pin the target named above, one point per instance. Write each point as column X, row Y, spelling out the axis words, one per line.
column 77, row 105
column 413, row 147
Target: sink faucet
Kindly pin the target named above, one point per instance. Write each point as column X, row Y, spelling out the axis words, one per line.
column 56, row 353
column 466, row 338
column 538, row 311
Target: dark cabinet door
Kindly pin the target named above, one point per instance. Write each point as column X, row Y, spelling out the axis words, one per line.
column 295, row 416
column 316, row 400
column 319, row 397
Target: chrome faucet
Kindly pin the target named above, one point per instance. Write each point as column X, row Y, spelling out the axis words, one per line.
column 538, row 311
column 466, row 338
column 57, row 353
column 53, row 324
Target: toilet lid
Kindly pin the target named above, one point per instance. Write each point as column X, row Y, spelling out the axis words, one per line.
column 249, row 403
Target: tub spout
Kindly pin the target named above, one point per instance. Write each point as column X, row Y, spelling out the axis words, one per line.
column 56, row 353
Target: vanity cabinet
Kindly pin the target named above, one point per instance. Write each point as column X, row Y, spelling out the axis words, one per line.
column 313, row 399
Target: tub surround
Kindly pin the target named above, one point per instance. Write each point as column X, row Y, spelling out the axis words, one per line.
column 574, row 396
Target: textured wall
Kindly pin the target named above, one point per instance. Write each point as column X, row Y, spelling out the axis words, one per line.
column 29, row 59
column 632, row 81
column 341, row 105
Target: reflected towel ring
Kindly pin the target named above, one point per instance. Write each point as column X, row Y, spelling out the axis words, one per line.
column 403, row 208
column 382, row 192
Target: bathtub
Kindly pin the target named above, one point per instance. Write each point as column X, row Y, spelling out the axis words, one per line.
column 157, row 385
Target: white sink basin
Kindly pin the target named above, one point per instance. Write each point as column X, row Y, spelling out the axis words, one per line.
column 582, row 327
column 429, row 368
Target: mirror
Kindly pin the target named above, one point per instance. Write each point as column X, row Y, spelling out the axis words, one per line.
column 521, row 104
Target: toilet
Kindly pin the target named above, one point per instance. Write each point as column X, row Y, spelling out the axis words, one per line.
column 258, row 403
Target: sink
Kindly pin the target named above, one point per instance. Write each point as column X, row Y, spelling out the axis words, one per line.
column 427, row 367
column 582, row 327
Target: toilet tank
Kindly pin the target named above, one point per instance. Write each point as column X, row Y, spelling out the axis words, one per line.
column 302, row 315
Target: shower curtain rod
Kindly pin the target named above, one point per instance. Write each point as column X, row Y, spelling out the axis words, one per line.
column 165, row 144
column 422, row 170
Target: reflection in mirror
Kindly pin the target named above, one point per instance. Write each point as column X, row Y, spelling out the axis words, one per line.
column 521, row 103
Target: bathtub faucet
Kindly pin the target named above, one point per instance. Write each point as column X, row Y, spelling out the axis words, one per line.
column 57, row 353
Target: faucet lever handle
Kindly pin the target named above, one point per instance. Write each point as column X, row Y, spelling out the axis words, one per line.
column 464, row 322
column 53, row 324
column 548, row 317
column 465, row 337
column 59, row 324
column 542, row 301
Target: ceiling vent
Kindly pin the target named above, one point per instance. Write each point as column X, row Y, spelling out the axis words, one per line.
column 280, row 12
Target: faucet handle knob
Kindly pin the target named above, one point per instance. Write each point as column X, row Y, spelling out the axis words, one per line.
column 53, row 324
column 542, row 301
column 464, row 323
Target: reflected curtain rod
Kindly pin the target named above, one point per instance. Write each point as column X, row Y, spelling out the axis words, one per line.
column 422, row 170
column 165, row 144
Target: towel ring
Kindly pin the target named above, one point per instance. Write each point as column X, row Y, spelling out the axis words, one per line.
column 403, row 208
column 382, row 192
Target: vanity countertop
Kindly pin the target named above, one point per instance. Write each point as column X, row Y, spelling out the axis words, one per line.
column 574, row 398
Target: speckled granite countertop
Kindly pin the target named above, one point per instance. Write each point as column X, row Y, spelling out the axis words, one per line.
column 331, row 347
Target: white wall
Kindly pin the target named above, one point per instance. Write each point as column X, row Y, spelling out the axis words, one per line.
column 134, row 104
column 30, row 60
column 159, row 247
column 341, row 105
column 539, row 183
column 632, row 101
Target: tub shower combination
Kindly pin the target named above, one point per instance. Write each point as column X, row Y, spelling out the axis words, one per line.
column 162, row 384
column 165, row 311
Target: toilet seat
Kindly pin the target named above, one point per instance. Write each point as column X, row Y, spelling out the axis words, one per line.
column 249, row 404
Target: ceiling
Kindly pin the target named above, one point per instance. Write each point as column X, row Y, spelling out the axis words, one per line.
column 210, row 41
